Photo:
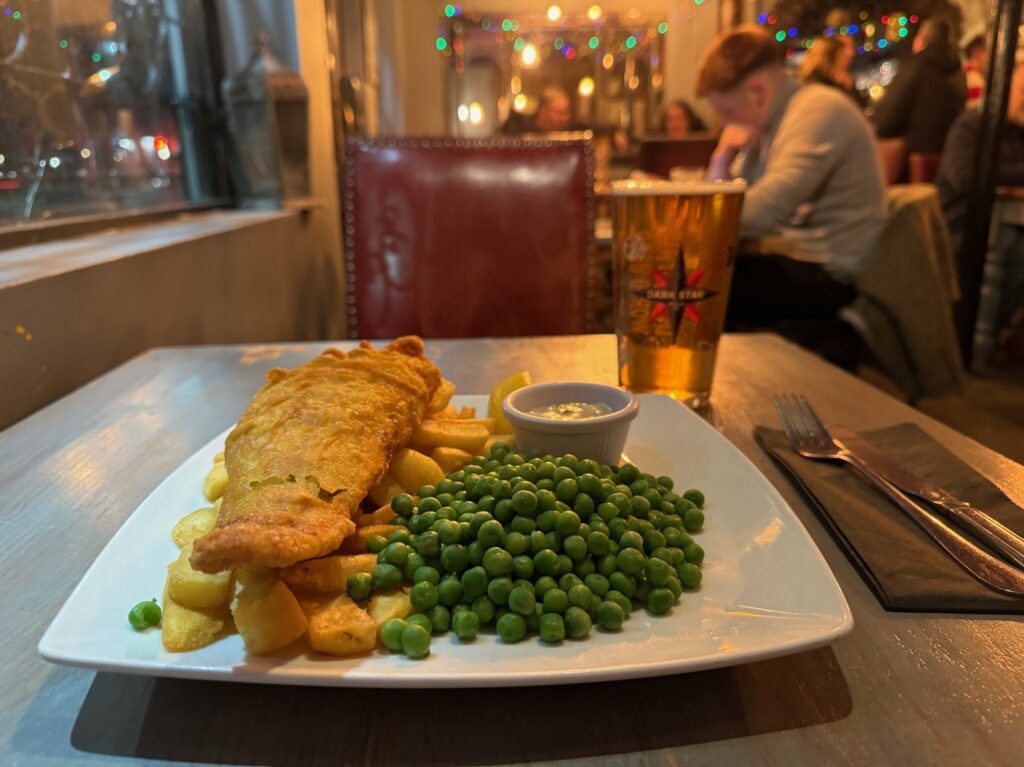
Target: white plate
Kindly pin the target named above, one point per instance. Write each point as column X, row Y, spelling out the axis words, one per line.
column 767, row 591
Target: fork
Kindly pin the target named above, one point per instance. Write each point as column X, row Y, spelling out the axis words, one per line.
column 809, row 437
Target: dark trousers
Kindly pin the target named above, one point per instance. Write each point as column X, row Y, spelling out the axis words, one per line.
column 796, row 299
column 769, row 290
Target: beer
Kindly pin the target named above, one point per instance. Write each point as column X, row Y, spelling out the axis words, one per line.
column 673, row 253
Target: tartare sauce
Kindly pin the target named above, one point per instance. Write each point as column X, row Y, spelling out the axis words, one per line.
column 571, row 411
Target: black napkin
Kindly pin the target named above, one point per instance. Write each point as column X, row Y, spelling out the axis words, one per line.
column 905, row 569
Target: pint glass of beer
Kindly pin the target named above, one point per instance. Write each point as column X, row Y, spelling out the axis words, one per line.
column 673, row 253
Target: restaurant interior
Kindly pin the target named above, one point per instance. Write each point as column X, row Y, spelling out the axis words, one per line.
column 722, row 201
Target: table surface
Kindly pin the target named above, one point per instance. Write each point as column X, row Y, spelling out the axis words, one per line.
column 900, row 689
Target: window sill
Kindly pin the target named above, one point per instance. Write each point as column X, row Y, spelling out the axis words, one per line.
column 49, row 259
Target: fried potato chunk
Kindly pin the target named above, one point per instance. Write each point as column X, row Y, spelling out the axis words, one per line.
column 184, row 628
column 194, row 588
column 441, row 397
column 455, row 432
column 268, row 617
column 383, row 607
column 338, row 626
column 191, row 526
column 381, row 516
column 386, row 489
column 328, row 575
column 412, row 470
column 216, row 482
column 450, row 458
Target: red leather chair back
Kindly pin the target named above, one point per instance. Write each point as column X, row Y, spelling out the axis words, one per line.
column 461, row 238
column 923, row 167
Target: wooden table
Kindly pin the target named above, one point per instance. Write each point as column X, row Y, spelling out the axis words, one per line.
column 901, row 689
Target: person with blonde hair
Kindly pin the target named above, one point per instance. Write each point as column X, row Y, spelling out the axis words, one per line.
column 828, row 62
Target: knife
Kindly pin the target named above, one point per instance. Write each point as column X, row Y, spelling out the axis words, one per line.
column 987, row 529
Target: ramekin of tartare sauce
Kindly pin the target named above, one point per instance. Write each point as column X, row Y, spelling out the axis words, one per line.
column 587, row 420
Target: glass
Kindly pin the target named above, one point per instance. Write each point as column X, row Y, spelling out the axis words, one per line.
column 673, row 252
column 105, row 107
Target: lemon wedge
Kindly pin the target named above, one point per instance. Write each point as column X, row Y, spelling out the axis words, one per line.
column 502, row 390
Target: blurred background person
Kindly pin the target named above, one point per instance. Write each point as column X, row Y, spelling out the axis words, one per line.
column 927, row 93
column 975, row 66
column 680, row 120
column 814, row 179
column 828, row 62
column 955, row 181
column 553, row 115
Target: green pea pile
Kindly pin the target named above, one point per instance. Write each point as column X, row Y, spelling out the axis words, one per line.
column 534, row 544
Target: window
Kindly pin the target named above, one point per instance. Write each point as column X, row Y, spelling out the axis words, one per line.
column 106, row 106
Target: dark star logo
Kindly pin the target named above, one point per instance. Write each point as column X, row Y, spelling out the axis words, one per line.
column 675, row 294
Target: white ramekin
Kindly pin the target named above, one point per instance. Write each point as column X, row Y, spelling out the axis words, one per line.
column 601, row 438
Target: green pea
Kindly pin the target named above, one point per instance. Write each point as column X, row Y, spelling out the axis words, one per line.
column 376, row 543
column 503, row 511
column 552, row 627
column 590, row 484
column 662, row 553
column 643, row 589
column 637, row 487
column 694, row 553
column 447, row 514
column 653, row 497
column 522, row 566
column 428, row 503
column 513, row 459
column 546, row 520
column 575, row 547
column 427, row 544
column 567, row 523
column 628, row 473
column 412, row 564
column 511, row 627
column 391, row 633
column 588, row 466
column 597, row 543
column 528, row 472
column 423, row 595
column 660, row 601
column 386, row 577
column 617, row 528
column 632, row 540
column 597, row 583
column 610, row 616
column 620, row 581
column 465, row 625
column 419, row 619
column 665, row 482
column 624, row 490
column 544, row 584
column 403, row 504
column 674, row 585
column 448, row 531
column 396, row 554
column 583, row 505
column 546, row 501
column 657, row 571
column 440, row 618
column 497, row 562
column 490, row 534
column 607, row 565
column 676, row 538
column 598, row 526
column 564, row 563
column 568, row 580
column 525, row 502
column 416, row 641
column 426, row 573
column 538, row 542
column 545, row 562
column 546, row 470
column 689, row 575
column 554, row 539
column 693, row 520
column 505, row 473
column 677, row 556
column 486, row 503
column 484, row 609
column 579, row 595
column 555, row 601
column 359, row 586
column 145, row 615
column 546, row 485
column 474, row 582
column 523, row 525
column 476, row 553
column 399, row 536
column 516, row 543
column 562, row 473
column 584, row 567
column 577, row 622
column 498, row 590
column 621, row 600
column 454, row 558
column 449, row 591
column 567, row 490
column 639, row 506
column 522, row 600
column 695, row 496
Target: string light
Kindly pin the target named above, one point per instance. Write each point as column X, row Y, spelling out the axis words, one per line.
column 441, row 43
column 594, row 12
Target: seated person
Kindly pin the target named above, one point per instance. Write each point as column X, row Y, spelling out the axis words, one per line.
column 680, row 121
column 553, row 115
column 814, row 180
column 955, row 182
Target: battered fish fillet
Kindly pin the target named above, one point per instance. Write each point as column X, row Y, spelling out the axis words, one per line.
column 309, row 447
